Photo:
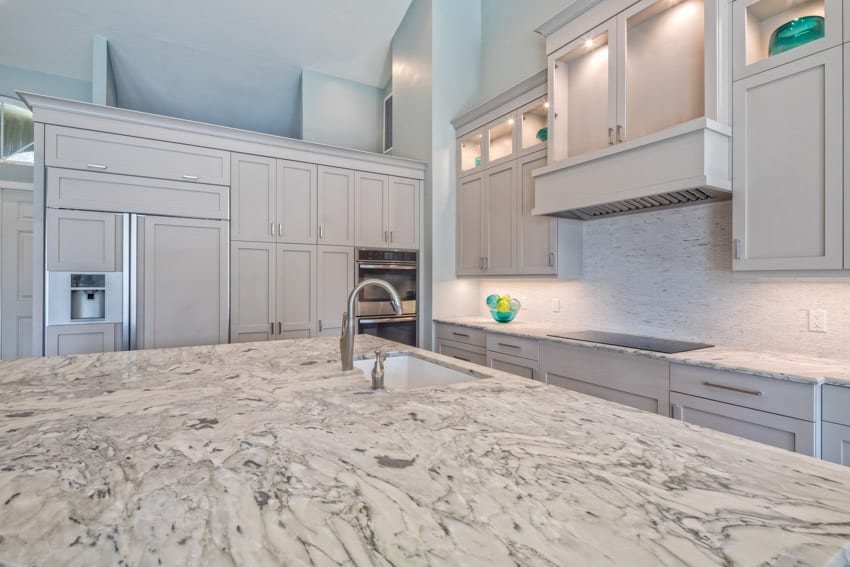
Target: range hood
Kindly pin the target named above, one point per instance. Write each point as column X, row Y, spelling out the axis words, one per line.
column 687, row 164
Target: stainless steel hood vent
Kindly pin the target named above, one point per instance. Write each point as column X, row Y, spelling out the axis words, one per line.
column 626, row 206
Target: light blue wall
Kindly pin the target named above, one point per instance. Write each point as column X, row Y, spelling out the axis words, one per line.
column 340, row 112
column 16, row 79
column 511, row 49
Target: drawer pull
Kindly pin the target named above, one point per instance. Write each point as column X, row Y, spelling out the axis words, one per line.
column 509, row 345
column 733, row 389
column 461, row 358
column 460, row 334
column 95, row 166
column 191, row 177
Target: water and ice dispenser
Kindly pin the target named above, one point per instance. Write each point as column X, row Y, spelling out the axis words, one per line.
column 84, row 297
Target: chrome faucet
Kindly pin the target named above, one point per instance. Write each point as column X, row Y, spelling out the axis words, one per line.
column 378, row 371
column 346, row 341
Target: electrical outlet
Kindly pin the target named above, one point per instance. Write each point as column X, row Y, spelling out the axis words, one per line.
column 817, row 321
column 556, row 305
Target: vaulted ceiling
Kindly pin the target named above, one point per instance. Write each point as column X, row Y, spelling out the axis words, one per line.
column 232, row 63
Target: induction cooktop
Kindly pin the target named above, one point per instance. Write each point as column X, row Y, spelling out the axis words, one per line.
column 651, row 344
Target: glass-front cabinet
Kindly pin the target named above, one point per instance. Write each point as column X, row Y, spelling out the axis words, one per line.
column 500, row 139
column 469, row 153
column 775, row 32
column 533, row 128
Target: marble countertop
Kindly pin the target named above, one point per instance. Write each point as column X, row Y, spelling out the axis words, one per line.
column 267, row 454
column 782, row 366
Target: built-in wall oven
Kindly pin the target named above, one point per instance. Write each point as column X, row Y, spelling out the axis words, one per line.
column 375, row 313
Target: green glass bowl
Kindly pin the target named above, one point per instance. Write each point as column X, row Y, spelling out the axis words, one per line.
column 505, row 317
column 543, row 134
column 795, row 33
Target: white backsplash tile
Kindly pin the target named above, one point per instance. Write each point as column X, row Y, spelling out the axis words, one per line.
column 669, row 274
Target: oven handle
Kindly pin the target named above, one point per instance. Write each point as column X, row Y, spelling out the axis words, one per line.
column 386, row 266
column 386, row 320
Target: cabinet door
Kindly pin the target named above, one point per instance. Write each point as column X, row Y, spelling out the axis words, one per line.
column 836, row 443
column 296, row 291
column 404, row 213
column 16, row 282
column 336, row 280
column 297, row 198
column 253, row 198
column 252, row 292
column 847, row 137
column 370, row 206
column 181, row 282
column 83, row 241
column 336, row 206
column 470, row 226
column 62, row 340
column 787, row 166
column 777, row 430
column 460, row 351
column 537, row 244
column 514, row 365
column 500, row 216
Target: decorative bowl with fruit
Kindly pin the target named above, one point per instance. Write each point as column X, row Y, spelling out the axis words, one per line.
column 502, row 307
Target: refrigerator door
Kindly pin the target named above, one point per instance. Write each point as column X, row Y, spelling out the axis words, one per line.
column 180, row 282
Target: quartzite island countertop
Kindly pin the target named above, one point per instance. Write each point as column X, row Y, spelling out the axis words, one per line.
column 266, row 454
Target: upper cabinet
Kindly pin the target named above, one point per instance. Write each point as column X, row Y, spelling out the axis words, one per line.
column 297, row 201
column 386, row 211
column 336, row 206
column 253, row 198
column 470, row 156
column 639, row 107
column 500, row 140
column 763, row 41
column 533, row 130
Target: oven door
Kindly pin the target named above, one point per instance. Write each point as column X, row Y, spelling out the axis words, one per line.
column 374, row 301
column 398, row 329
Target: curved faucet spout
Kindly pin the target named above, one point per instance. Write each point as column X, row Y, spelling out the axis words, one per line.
column 346, row 341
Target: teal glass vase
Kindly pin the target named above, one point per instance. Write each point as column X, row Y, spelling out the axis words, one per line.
column 795, row 33
column 504, row 312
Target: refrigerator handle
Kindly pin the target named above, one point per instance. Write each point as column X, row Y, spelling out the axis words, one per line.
column 125, row 281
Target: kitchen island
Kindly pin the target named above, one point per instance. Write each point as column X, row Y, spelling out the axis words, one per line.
column 268, row 454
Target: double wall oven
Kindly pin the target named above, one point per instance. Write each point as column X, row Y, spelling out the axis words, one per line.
column 375, row 313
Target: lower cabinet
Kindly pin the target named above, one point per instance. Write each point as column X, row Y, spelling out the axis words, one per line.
column 461, row 351
column 778, row 430
column 631, row 380
column 514, row 365
column 63, row 340
column 835, row 441
column 288, row 291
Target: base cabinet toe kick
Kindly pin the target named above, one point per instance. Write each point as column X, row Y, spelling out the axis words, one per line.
column 801, row 417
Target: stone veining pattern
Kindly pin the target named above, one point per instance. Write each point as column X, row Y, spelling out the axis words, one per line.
column 266, row 454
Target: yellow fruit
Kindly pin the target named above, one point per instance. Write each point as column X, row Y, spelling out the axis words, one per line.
column 503, row 305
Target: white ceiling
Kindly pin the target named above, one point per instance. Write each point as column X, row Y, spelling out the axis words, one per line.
column 233, row 63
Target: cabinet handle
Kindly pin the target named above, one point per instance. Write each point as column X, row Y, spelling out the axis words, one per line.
column 391, row 236
column 737, row 243
column 460, row 334
column 271, row 228
column 486, row 263
column 321, row 232
column 279, row 229
column 509, row 345
column 191, row 177
column 610, row 136
column 95, row 166
column 279, row 328
column 320, row 325
column 620, row 137
column 551, row 259
column 386, row 237
column 271, row 330
column 733, row 389
column 677, row 412
column 461, row 358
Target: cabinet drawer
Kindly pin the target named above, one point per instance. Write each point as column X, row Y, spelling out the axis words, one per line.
column 113, row 153
column 781, row 397
column 461, row 351
column 71, row 189
column 63, row 340
column 515, row 346
column 784, row 432
column 514, row 365
column 835, row 441
column 460, row 334
column 836, row 404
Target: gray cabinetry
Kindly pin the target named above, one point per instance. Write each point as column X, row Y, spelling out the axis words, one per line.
column 777, row 412
column 462, row 343
column 500, row 220
column 335, row 281
column 537, row 236
column 182, row 279
column 403, row 213
column 336, row 206
column 253, row 196
column 514, row 355
column 296, row 291
column 635, row 381
column 297, row 202
column 835, row 440
column 61, row 340
column 82, row 241
column 370, row 206
column 470, row 225
column 514, row 365
column 253, row 291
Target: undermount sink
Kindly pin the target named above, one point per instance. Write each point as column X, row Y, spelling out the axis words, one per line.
column 408, row 372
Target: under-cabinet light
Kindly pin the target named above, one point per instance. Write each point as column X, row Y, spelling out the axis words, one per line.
column 588, row 43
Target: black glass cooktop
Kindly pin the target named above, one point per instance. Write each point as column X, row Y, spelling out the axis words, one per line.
column 652, row 344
